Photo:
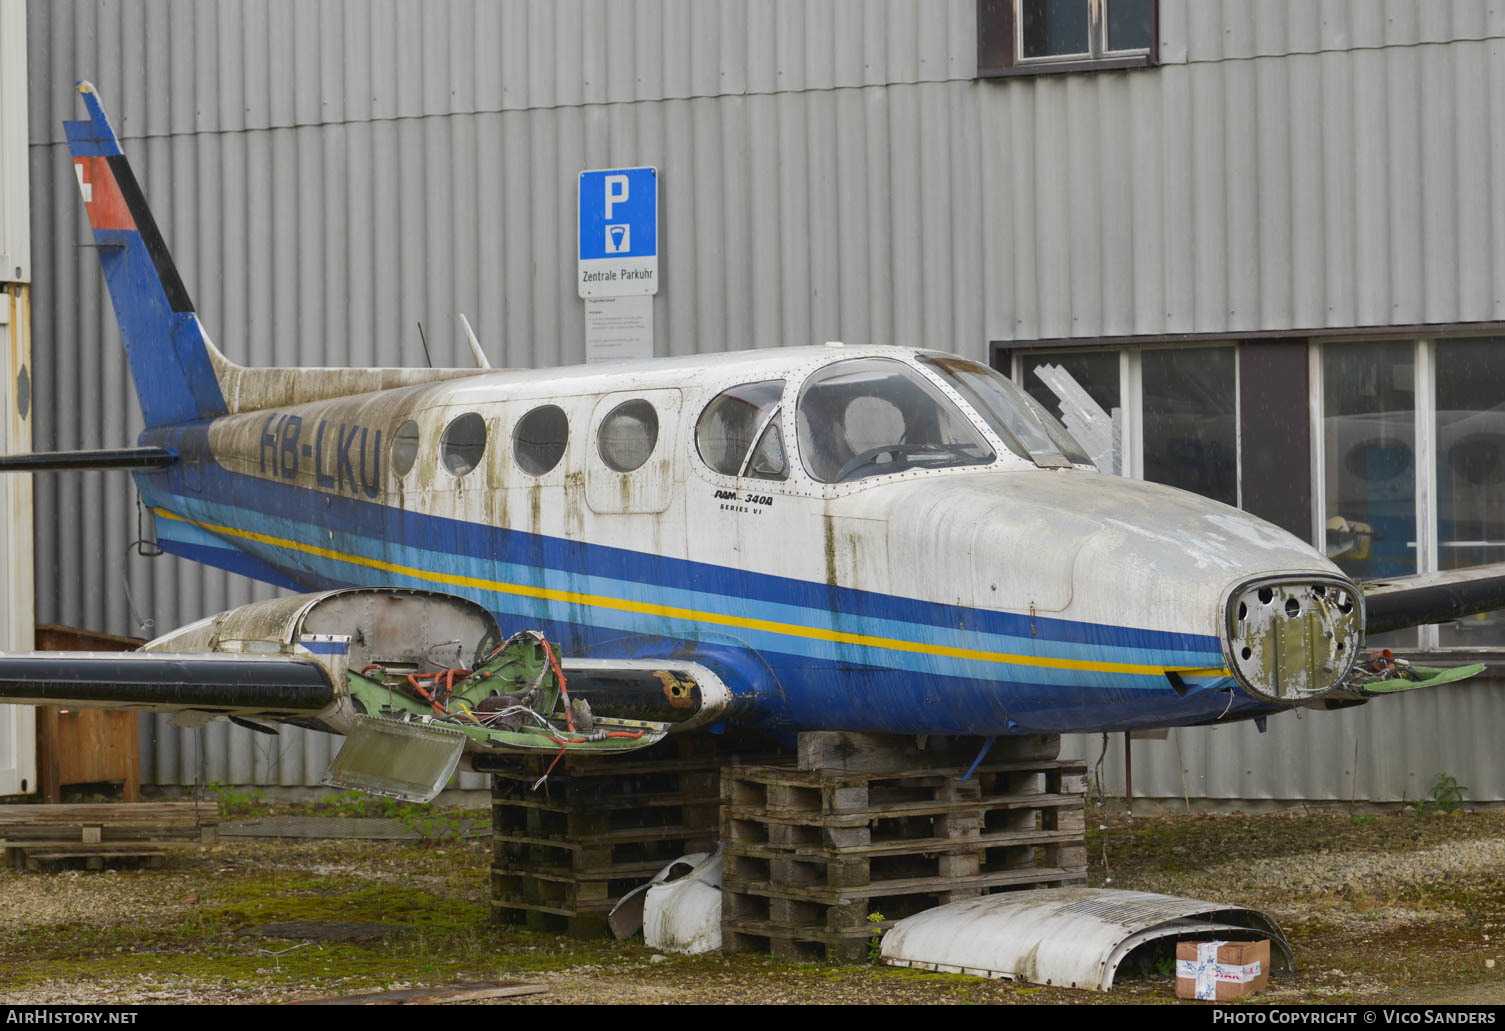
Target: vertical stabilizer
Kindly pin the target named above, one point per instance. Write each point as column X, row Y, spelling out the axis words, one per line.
column 169, row 354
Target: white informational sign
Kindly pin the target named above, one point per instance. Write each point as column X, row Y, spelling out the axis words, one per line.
column 618, row 329
column 618, row 218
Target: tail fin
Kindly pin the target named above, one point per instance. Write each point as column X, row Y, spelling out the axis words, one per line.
column 169, row 354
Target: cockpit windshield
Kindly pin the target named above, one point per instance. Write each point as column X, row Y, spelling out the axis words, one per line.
column 1028, row 429
column 873, row 416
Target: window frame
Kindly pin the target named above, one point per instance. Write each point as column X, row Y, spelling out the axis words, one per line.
column 1427, row 486
column 1000, row 43
column 1131, row 397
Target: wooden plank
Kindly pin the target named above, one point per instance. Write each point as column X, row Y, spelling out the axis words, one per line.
column 428, row 996
column 106, row 812
column 905, row 846
column 862, row 817
column 904, row 886
column 822, row 778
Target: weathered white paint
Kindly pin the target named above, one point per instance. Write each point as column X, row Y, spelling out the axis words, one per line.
column 17, row 543
column 1068, row 937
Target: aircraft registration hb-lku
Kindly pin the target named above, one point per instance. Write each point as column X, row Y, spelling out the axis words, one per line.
column 876, row 539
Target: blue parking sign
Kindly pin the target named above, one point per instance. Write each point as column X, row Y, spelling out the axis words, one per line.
column 618, row 218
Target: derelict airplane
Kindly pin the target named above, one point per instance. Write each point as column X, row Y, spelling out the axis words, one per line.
column 875, row 539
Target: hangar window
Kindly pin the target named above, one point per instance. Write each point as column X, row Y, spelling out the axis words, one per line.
column 1032, row 37
column 628, row 436
column 404, row 448
column 733, row 422
column 1169, row 415
column 873, row 416
column 1412, row 466
column 540, row 438
column 463, row 443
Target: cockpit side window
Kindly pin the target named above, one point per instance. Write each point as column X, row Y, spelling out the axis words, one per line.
column 873, row 416
column 1026, row 428
column 732, row 422
column 768, row 460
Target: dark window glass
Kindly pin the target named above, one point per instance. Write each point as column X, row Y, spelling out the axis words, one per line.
column 1127, row 23
column 1053, row 28
column 404, row 448
column 1082, row 389
column 1190, row 421
column 463, row 443
column 1471, row 473
column 539, row 440
column 725, row 431
column 628, row 435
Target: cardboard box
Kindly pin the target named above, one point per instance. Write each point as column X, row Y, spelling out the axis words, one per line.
column 1221, row 971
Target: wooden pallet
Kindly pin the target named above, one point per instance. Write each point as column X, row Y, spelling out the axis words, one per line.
column 38, row 837
column 45, row 858
column 598, row 827
column 818, row 862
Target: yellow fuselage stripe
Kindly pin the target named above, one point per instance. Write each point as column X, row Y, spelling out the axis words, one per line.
column 696, row 615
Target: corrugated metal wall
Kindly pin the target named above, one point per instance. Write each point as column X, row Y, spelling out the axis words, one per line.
column 1293, row 165
column 330, row 173
column 1403, row 745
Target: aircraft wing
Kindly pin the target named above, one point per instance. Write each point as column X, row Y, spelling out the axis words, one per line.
column 271, row 686
column 1405, row 601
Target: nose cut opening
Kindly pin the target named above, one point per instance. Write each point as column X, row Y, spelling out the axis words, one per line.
column 1293, row 639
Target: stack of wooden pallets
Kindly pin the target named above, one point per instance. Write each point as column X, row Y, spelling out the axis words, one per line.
column 41, row 837
column 820, row 861
column 598, row 827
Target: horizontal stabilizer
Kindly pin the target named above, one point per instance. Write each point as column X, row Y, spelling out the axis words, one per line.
column 1432, row 597
column 268, row 685
column 104, row 458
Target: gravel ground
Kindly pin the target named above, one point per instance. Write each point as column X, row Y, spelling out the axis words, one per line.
column 1391, row 908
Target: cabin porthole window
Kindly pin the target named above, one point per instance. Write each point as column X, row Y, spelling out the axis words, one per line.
column 463, row 443
column 404, row 448
column 627, row 436
column 539, row 440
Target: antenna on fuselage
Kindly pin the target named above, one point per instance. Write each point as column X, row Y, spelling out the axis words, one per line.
column 425, row 341
column 475, row 345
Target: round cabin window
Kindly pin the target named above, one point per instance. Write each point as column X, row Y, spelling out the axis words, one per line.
column 539, row 440
column 463, row 443
column 405, row 448
column 628, row 435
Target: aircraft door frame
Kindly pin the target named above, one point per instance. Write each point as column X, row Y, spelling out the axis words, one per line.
column 649, row 488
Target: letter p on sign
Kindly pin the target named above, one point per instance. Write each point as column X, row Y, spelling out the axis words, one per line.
column 616, row 192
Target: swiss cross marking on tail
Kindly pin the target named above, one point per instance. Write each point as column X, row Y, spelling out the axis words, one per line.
column 84, row 187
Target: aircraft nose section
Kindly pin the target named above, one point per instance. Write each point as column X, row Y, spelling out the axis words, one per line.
column 1293, row 639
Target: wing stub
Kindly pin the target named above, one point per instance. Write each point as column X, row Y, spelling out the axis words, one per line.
column 154, row 681
column 1436, row 602
column 103, row 458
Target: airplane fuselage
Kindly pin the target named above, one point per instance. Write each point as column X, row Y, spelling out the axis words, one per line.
column 991, row 597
